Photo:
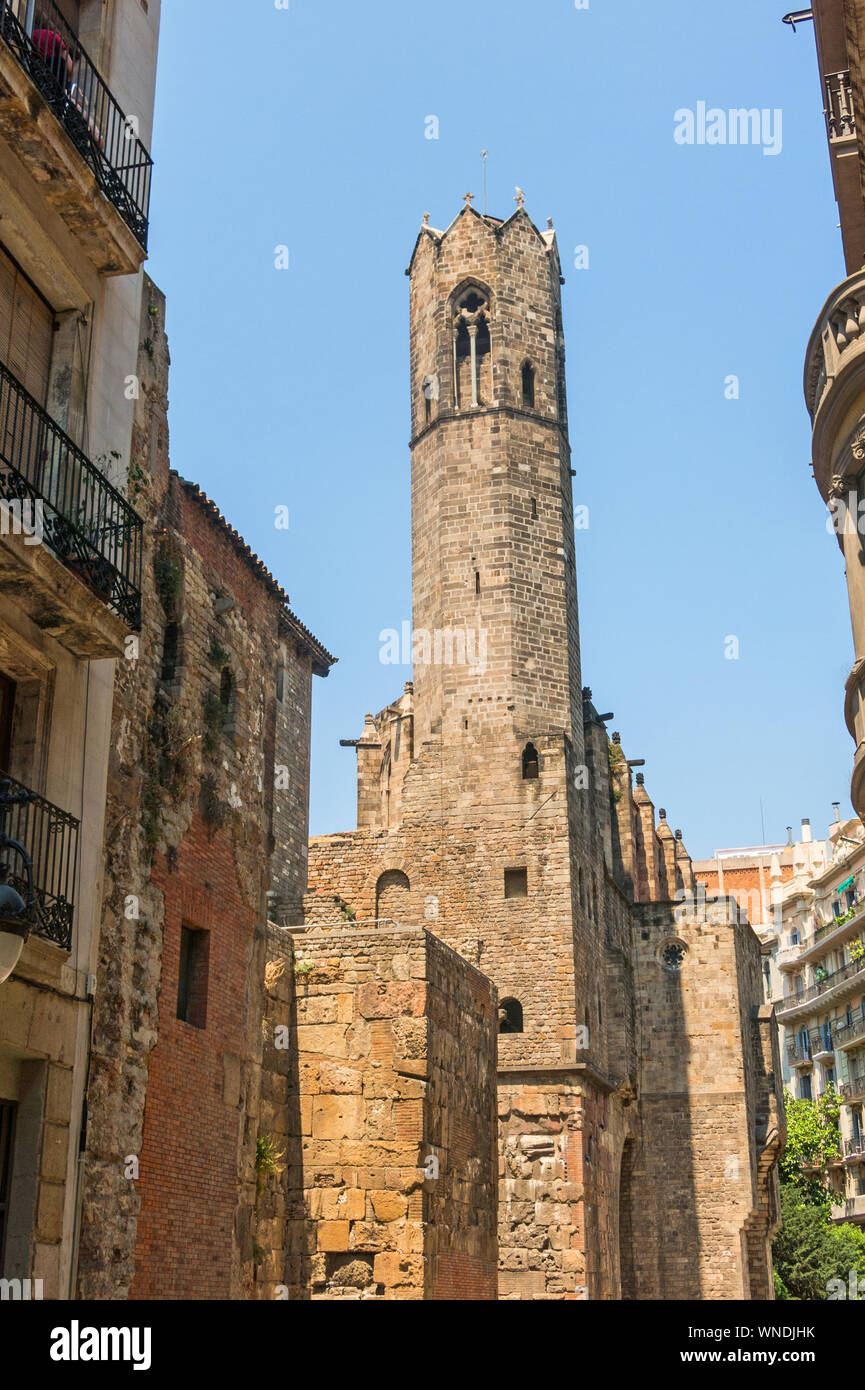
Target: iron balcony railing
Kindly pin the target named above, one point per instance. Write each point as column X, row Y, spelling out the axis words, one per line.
column 64, row 499
column 840, row 116
column 855, row 1083
column 840, row 921
column 799, row 1050
column 50, row 837
column 837, row 977
column 49, row 51
column 849, row 1029
column 854, row 1146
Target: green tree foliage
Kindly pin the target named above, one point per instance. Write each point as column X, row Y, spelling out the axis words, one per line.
column 808, row 1251
column 812, row 1140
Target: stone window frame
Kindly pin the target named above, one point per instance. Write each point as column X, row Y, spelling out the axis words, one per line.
column 672, row 954
column 458, row 315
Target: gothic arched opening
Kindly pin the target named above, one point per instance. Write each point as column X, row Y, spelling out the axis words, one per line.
column 531, row 762
column 472, row 348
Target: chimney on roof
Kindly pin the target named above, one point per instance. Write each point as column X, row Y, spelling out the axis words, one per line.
column 806, row 831
column 836, row 807
column 790, row 836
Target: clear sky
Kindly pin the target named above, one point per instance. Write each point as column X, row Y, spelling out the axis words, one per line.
column 306, row 128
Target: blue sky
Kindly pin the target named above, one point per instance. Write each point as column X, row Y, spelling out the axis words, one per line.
column 306, row 128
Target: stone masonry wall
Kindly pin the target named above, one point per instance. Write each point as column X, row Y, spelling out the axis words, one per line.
column 395, row 1041
column 695, row 1185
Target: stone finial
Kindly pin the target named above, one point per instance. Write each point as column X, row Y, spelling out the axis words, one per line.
column 617, row 739
column 587, row 692
column 426, row 219
column 520, row 198
column 550, row 223
column 408, row 688
column 679, row 835
column 468, row 199
column 662, row 814
column 640, row 779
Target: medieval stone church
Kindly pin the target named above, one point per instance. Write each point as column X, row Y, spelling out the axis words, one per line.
column 616, row 1021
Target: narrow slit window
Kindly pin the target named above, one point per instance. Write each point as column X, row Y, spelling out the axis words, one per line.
column 170, row 647
column 477, row 581
column 192, row 976
column 528, row 385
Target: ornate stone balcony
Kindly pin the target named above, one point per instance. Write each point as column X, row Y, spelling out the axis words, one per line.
column 834, row 383
column 840, row 116
column 834, row 376
column 62, row 122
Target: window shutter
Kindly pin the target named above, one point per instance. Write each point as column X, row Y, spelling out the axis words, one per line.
column 26, row 330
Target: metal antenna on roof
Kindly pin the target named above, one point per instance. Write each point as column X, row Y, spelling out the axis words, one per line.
column 484, row 158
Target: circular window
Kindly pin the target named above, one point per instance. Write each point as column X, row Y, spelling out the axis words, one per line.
column 672, row 955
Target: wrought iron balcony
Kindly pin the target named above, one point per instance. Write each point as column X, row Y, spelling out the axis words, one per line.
column 854, row 1147
column 798, row 1050
column 843, row 920
column 50, row 837
column 53, row 58
column 821, row 986
column 840, row 116
column 848, row 1032
column 854, row 1086
column 85, row 521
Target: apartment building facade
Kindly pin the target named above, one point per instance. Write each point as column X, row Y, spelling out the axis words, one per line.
column 757, row 877
column 77, row 82
column 821, row 959
column 834, row 378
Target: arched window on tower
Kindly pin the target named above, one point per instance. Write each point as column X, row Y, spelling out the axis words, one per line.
column 528, row 385
column 472, row 348
column 510, row 1016
column 531, row 762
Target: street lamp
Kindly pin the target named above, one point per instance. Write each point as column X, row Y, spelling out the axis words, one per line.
column 16, row 914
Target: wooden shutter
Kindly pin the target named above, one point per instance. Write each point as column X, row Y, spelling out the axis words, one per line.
column 26, row 330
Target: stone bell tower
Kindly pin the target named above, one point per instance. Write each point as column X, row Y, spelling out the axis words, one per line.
column 495, row 811
column 492, row 509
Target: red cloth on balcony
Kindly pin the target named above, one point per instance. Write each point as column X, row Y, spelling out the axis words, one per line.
column 48, row 43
